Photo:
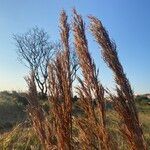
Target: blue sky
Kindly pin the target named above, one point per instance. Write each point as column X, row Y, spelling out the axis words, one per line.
column 128, row 23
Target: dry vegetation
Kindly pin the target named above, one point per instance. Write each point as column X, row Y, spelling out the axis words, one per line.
column 91, row 129
column 124, row 101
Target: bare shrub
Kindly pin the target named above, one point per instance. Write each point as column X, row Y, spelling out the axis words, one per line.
column 35, row 51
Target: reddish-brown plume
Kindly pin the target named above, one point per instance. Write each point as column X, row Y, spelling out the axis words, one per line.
column 91, row 90
column 124, row 101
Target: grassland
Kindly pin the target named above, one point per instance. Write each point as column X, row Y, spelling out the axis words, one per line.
column 17, row 134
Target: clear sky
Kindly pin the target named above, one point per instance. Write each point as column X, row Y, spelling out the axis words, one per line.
column 128, row 22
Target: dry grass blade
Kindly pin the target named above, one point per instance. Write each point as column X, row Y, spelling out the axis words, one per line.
column 124, row 102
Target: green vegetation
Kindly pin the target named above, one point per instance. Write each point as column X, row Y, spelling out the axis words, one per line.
column 12, row 110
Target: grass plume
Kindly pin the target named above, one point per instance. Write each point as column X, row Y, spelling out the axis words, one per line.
column 40, row 124
column 124, row 101
column 60, row 88
column 90, row 89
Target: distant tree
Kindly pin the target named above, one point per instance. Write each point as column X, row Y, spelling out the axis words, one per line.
column 35, row 51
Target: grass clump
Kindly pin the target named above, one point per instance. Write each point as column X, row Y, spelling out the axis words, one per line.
column 88, row 123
